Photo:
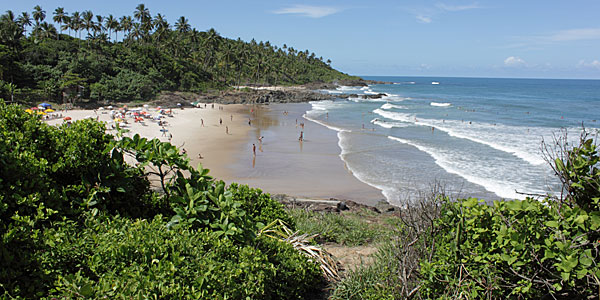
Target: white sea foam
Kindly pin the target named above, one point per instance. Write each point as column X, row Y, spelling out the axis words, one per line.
column 504, row 189
column 441, row 104
column 386, row 124
column 392, row 106
column 338, row 129
column 397, row 116
column 516, row 140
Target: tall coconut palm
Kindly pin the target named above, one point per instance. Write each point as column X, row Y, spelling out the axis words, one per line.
column 182, row 25
column 126, row 23
column 99, row 26
column 211, row 45
column 75, row 23
column 38, row 15
column 88, row 21
column 59, row 16
column 24, row 20
column 142, row 14
column 67, row 25
column 48, row 30
column 111, row 24
column 161, row 25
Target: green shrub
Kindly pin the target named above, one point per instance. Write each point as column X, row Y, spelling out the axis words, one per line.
column 525, row 249
column 121, row 258
column 260, row 206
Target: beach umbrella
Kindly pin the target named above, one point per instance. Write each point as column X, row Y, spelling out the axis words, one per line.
column 34, row 108
column 49, row 110
column 41, row 113
column 67, row 119
column 110, row 107
column 29, row 111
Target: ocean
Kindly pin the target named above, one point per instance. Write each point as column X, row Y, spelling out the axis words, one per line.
column 477, row 137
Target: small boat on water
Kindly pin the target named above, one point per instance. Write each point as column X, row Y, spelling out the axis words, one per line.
column 435, row 82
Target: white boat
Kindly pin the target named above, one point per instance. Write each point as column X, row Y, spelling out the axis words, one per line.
column 435, row 82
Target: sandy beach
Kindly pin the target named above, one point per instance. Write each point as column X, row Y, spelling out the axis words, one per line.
column 282, row 164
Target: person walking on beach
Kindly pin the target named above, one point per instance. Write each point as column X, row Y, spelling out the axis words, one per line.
column 301, row 138
column 220, row 121
column 249, row 122
column 231, row 117
column 254, row 149
column 260, row 139
column 202, row 122
column 226, row 129
column 170, row 137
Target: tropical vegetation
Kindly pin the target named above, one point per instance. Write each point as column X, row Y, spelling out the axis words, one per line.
column 63, row 56
column 78, row 221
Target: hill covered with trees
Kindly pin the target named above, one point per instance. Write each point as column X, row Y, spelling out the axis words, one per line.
column 59, row 56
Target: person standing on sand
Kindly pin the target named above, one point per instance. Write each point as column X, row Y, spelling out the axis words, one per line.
column 220, row 121
column 254, row 149
column 202, row 122
column 301, row 138
column 249, row 122
column 231, row 117
column 226, row 129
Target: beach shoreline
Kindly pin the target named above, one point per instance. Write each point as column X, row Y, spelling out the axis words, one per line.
column 282, row 164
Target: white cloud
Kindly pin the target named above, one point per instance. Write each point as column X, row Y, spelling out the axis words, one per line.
column 426, row 14
column 309, row 11
column 561, row 36
column 514, row 61
column 595, row 64
column 575, row 35
column 423, row 18
column 446, row 7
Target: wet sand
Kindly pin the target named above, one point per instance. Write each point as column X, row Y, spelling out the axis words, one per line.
column 311, row 168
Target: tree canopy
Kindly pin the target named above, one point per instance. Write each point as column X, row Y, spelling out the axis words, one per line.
column 135, row 57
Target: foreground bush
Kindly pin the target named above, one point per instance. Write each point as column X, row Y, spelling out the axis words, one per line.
column 76, row 221
column 122, row 258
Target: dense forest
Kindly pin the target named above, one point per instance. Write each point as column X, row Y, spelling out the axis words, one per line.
column 83, row 55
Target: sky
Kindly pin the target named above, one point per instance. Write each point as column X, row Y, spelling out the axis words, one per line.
column 517, row 39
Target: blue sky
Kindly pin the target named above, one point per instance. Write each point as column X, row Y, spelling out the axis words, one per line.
column 535, row 39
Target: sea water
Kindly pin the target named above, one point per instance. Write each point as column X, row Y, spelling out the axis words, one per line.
column 476, row 136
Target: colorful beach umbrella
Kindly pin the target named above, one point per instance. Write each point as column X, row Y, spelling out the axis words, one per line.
column 67, row 119
column 49, row 110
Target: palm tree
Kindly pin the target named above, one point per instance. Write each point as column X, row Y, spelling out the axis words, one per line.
column 99, row 26
column 126, row 24
column 67, row 25
column 59, row 16
column 88, row 21
column 161, row 25
column 111, row 23
column 48, row 30
column 211, row 43
column 182, row 25
column 38, row 15
column 11, row 30
column 142, row 14
column 23, row 20
column 75, row 23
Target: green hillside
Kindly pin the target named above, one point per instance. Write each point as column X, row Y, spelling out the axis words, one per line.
column 58, row 55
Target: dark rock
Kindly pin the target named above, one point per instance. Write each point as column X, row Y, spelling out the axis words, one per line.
column 342, row 206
